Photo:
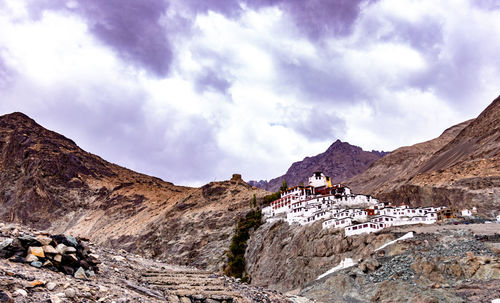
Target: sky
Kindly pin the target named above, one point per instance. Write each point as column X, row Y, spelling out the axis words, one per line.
column 193, row 91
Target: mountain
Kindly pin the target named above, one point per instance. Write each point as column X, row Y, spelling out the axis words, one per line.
column 48, row 182
column 459, row 168
column 340, row 161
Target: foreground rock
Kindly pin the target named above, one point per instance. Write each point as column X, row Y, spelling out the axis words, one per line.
column 122, row 277
column 61, row 253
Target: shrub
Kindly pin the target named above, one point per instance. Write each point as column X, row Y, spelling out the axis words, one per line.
column 236, row 255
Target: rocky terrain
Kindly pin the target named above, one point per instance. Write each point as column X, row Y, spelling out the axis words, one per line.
column 450, row 266
column 460, row 168
column 48, row 182
column 121, row 277
column 284, row 257
column 460, row 264
column 340, row 161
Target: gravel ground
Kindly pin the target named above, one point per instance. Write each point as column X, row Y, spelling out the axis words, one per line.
column 477, row 229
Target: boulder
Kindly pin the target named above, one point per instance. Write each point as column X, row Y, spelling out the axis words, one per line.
column 6, row 243
column 61, row 249
column 80, row 274
column 37, row 251
column 66, row 240
column 47, row 264
column 43, row 240
column 70, row 293
column 48, row 249
column 58, row 258
column 51, row 286
column 70, row 250
column 31, row 258
column 27, row 240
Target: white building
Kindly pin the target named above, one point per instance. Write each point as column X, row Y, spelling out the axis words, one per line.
column 337, row 223
column 369, row 227
column 466, row 213
column 319, row 179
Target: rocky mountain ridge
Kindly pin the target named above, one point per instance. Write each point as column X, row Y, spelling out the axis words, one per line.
column 460, row 168
column 340, row 161
column 48, row 182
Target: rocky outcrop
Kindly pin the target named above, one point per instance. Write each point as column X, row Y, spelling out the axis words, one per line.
column 284, row 257
column 340, row 161
column 442, row 267
column 460, row 168
column 48, row 182
column 438, row 266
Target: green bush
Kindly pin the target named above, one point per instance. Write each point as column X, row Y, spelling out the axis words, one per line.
column 236, row 255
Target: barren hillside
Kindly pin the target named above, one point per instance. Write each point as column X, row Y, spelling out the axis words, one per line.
column 47, row 181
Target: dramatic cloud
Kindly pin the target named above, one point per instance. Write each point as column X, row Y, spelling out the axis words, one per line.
column 134, row 29
column 192, row 91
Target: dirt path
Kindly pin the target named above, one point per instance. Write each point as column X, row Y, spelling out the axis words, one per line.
column 478, row 229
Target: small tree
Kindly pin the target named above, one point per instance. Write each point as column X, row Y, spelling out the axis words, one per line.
column 284, row 185
column 254, row 201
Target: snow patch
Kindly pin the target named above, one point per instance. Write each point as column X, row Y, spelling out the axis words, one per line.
column 347, row 262
column 406, row 236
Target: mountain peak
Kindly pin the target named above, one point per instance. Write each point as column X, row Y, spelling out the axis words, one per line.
column 16, row 118
column 340, row 161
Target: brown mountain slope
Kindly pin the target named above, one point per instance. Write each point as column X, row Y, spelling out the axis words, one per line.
column 459, row 168
column 340, row 161
column 47, row 181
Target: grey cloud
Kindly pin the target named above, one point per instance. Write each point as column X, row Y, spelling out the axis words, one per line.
column 4, row 73
column 487, row 4
column 318, row 18
column 320, row 85
column 211, row 79
column 132, row 28
column 114, row 123
column 141, row 33
column 315, row 17
column 316, row 124
column 123, row 132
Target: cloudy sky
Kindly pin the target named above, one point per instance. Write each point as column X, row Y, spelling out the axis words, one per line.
column 192, row 91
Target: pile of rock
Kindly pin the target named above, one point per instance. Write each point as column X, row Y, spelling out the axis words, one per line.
column 61, row 253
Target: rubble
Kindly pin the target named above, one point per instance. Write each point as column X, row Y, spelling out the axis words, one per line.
column 61, row 253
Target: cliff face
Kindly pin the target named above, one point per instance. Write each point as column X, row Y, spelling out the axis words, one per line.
column 48, row 182
column 284, row 257
column 437, row 264
column 460, row 168
column 340, row 161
